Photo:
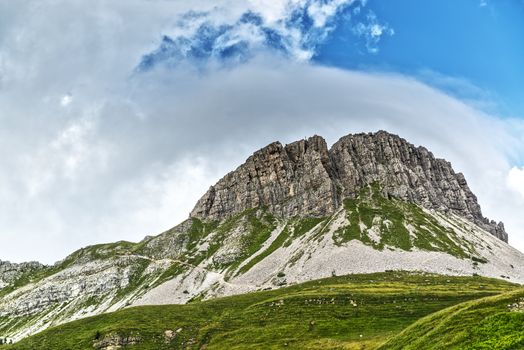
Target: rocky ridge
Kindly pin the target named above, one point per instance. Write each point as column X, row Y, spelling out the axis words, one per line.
column 305, row 178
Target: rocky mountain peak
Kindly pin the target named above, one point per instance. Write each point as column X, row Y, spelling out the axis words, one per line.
column 306, row 178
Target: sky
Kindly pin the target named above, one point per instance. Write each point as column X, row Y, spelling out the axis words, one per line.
column 116, row 116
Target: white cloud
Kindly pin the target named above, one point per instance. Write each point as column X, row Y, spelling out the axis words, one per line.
column 321, row 12
column 219, row 24
column 66, row 100
column 372, row 31
column 462, row 88
column 516, row 180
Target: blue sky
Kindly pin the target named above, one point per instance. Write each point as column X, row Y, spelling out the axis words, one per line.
column 479, row 42
column 469, row 48
column 116, row 116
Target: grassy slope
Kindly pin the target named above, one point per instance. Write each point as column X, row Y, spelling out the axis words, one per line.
column 390, row 216
column 490, row 323
column 350, row 312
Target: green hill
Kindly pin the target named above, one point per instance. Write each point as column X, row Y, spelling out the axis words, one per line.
column 495, row 322
column 349, row 312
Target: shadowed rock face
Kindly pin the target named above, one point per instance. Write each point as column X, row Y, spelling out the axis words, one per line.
column 305, row 178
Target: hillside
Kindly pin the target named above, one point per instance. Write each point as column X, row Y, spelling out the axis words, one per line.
column 350, row 312
column 288, row 215
column 489, row 323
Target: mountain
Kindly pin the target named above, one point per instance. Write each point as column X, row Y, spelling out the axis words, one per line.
column 288, row 215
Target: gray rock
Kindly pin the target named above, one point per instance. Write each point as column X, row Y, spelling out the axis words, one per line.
column 304, row 178
column 10, row 272
column 115, row 341
column 291, row 180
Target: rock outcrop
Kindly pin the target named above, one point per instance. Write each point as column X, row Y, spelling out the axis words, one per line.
column 293, row 180
column 116, row 341
column 10, row 272
column 305, row 178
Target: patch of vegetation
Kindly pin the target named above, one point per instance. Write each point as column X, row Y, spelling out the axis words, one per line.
column 222, row 230
column 260, row 230
column 260, row 225
column 100, row 251
column 389, row 218
column 296, row 227
column 136, row 280
column 174, row 270
column 257, row 224
column 348, row 312
column 277, row 243
column 198, row 231
column 304, row 225
column 479, row 260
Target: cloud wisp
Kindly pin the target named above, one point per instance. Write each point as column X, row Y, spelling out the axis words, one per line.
column 372, row 30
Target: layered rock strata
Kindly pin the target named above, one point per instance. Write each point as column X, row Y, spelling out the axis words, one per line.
column 305, row 178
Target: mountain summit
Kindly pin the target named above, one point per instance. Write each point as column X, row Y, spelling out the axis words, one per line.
column 305, row 178
column 289, row 214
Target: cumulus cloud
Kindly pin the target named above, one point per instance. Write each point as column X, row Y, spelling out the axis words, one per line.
column 131, row 152
column 235, row 30
column 372, row 30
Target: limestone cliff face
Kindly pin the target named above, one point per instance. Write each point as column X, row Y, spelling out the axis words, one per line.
column 305, row 178
column 291, row 180
column 407, row 172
